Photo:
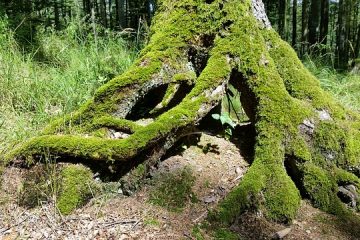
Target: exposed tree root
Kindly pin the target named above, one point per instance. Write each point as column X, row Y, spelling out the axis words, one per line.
column 306, row 143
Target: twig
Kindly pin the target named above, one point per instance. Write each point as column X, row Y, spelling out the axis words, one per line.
column 15, row 225
column 200, row 217
column 132, row 228
column 121, row 222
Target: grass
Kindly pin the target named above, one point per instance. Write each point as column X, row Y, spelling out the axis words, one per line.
column 345, row 87
column 62, row 70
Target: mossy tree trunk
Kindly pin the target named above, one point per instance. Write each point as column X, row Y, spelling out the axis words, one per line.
column 306, row 143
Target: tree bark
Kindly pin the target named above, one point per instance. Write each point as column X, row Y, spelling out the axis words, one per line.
column 357, row 46
column 342, row 36
column 294, row 23
column 324, row 22
column 304, row 26
column 282, row 18
column 306, row 143
column 314, row 22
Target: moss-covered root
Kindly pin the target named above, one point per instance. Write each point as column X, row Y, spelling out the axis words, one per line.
column 265, row 188
column 77, row 187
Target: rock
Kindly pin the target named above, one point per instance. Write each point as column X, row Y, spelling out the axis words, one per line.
column 324, row 115
column 210, row 199
column 281, row 234
column 120, row 135
column 307, row 127
column 351, row 188
column 348, row 196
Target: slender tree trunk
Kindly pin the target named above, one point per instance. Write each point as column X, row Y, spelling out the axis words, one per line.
column 342, row 40
column 305, row 25
column 103, row 13
column 56, row 14
column 110, row 15
column 282, row 18
column 314, row 22
column 294, row 23
column 357, row 46
column 306, row 143
column 324, row 23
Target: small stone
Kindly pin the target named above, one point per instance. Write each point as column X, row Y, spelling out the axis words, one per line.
column 324, row 115
column 308, row 231
column 281, row 234
column 120, row 135
column 210, row 199
column 351, row 188
column 238, row 170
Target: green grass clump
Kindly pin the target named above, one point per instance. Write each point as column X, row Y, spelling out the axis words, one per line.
column 344, row 86
column 173, row 190
column 61, row 72
column 40, row 184
column 224, row 234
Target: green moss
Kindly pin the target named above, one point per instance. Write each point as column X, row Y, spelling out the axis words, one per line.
column 319, row 185
column 338, row 142
column 77, row 188
column 189, row 76
column 264, row 188
column 224, row 234
column 173, row 190
column 152, row 222
column 299, row 82
column 115, row 123
column 134, row 179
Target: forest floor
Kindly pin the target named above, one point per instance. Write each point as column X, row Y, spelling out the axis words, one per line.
column 217, row 165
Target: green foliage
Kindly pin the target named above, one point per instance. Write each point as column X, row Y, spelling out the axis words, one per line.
column 197, row 233
column 226, row 122
column 173, row 190
column 224, row 119
column 41, row 183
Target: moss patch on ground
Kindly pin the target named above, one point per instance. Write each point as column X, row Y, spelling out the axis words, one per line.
column 76, row 189
column 173, row 190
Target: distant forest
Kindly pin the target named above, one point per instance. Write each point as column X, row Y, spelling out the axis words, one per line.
column 328, row 29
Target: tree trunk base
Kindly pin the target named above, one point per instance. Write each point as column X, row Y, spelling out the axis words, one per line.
column 307, row 145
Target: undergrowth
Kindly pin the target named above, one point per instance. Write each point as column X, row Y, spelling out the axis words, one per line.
column 61, row 72
column 344, row 86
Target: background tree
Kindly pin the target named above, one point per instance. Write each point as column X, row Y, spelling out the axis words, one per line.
column 294, row 23
column 324, row 22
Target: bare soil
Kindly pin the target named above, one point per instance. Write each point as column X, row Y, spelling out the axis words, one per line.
column 218, row 166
